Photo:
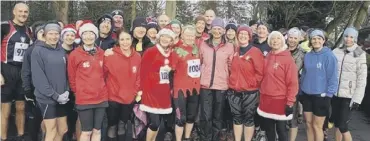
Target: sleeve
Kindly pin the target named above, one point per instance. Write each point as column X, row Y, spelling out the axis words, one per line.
column 299, row 61
column 230, row 57
column 144, row 68
column 291, row 81
column 174, row 59
column 361, row 71
column 137, row 83
column 26, row 70
column 39, row 78
column 332, row 75
column 72, row 68
column 258, row 66
column 4, row 29
column 106, row 67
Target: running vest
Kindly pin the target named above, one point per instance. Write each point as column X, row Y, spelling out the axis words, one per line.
column 14, row 45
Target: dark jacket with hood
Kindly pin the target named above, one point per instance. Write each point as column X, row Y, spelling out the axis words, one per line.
column 264, row 47
column 26, row 74
column 146, row 43
column 108, row 42
column 49, row 72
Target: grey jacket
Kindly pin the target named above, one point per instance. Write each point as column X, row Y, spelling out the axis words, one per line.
column 298, row 56
column 352, row 70
column 49, row 73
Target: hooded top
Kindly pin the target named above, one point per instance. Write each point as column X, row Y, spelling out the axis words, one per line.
column 47, row 61
column 108, row 42
column 320, row 73
column 264, row 47
column 26, row 74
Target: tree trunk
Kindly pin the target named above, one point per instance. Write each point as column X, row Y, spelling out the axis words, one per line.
column 133, row 10
column 349, row 23
column 171, row 9
column 362, row 14
column 61, row 8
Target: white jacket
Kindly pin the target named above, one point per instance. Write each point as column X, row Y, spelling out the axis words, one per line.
column 352, row 69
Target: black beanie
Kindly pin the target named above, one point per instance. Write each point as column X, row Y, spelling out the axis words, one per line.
column 139, row 22
column 104, row 17
column 117, row 12
column 231, row 25
column 152, row 25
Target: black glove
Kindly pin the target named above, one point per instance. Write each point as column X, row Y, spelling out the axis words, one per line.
column 355, row 106
column 288, row 110
column 29, row 96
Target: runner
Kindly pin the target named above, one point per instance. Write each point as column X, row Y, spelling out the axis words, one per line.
column 200, row 25
column 105, row 25
column 245, row 78
column 176, row 27
column 123, row 84
column 319, row 83
column 231, row 29
column 209, row 15
column 253, row 24
column 186, row 68
column 304, row 43
column 118, row 18
column 261, row 41
column 51, row 91
column 163, row 20
column 86, row 78
column 294, row 35
column 138, row 31
column 15, row 39
column 216, row 55
column 352, row 82
column 279, row 88
column 155, row 68
column 34, row 117
column 152, row 30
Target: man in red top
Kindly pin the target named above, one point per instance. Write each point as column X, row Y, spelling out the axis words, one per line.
column 15, row 39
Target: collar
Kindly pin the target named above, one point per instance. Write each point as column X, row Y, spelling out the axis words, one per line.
column 162, row 51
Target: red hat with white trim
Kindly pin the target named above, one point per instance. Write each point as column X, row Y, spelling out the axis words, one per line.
column 167, row 30
column 68, row 28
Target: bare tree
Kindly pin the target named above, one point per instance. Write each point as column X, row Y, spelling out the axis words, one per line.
column 62, row 8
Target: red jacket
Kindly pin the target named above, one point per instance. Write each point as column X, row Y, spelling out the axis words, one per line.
column 187, row 69
column 246, row 70
column 86, row 76
column 199, row 40
column 280, row 78
column 156, row 96
column 122, row 76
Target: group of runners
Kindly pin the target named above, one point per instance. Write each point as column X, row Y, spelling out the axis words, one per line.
column 203, row 77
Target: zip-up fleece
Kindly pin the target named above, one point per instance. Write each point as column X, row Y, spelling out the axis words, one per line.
column 123, row 76
column 352, row 72
column 280, row 78
column 86, row 76
column 216, row 62
column 320, row 73
column 48, row 67
column 246, row 70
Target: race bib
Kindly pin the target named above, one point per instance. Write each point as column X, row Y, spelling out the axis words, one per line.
column 164, row 75
column 194, row 68
column 19, row 50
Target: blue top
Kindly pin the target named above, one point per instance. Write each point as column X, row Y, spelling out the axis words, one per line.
column 320, row 73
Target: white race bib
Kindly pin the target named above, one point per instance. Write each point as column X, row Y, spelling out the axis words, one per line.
column 164, row 77
column 19, row 50
column 194, row 68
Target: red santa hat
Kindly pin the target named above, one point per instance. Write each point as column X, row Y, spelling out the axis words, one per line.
column 167, row 30
column 88, row 26
column 68, row 28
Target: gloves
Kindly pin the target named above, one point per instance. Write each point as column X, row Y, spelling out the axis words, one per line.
column 138, row 96
column 288, row 110
column 63, row 98
column 354, row 106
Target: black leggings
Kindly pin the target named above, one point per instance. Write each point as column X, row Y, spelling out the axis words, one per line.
column 186, row 109
column 91, row 118
column 118, row 112
column 34, row 120
column 272, row 126
column 154, row 121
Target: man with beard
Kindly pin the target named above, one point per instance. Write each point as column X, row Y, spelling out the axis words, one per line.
column 118, row 18
column 209, row 15
column 163, row 20
column 105, row 40
column 15, row 39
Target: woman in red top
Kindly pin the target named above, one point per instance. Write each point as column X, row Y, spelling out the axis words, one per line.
column 86, row 78
column 245, row 77
column 123, row 84
column 185, row 64
column 279, row 88
column 154, row 80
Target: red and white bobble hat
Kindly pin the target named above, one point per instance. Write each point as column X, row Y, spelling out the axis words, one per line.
column 68, row 28
column 88, row 26
column 167, row 30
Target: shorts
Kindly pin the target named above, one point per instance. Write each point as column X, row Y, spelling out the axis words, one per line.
column 341, row 111
column 243, row 106
column 155, row 121
column 12, row 89
column 316, row 104
column 52, row 111
column 119, row 112
column 186, row 109
column 91, row 118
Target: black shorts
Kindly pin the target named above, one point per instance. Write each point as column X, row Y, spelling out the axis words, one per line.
column 51, row 111
column 316, row 104
column 186, row 109
column 119, row 112
column 341, row 111
column 91, row 118
column 243, row 106
column 12, row 89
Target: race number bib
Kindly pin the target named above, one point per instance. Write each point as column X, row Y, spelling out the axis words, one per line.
column 19, row 50
column 194, row 68
column 164, row 75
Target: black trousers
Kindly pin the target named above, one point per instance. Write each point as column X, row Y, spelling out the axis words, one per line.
column 34, row 120
column 212, row 104
column 272, row 127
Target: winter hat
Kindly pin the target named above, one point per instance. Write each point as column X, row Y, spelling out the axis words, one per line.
column 231, row 25
column 151, row 23
column 117, row 12
column 88, row 26
column 103, row 18
column 245, row 28
column 274, row 33
column 175, row 21
column 36, row 27
column 264, row 24
column 68, row 28
column 218, row 22
column 167, row 30
column 51, row 26
column 139, row 22
column 200, row 18
column 317, row 32
column 294, row 32
column 351, row 31
column 252, row 22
